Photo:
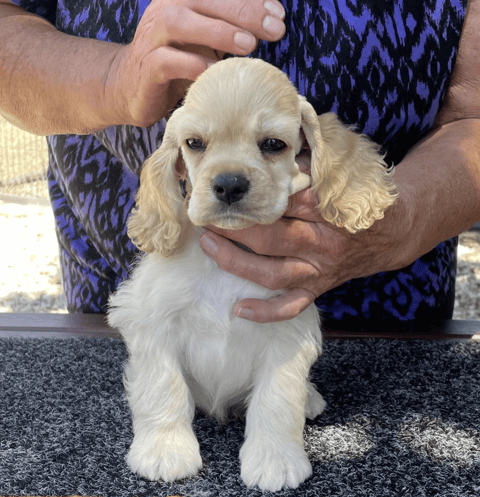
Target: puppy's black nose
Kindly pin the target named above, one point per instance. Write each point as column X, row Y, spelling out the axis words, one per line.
column 230, row 188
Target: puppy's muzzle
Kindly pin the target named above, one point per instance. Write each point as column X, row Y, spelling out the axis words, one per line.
column 230, row 188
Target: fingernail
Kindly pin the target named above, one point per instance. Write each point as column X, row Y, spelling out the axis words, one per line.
column 275, row 9
column 273, row 26
column 245, row 313
column 208, row 245
column 245, row 41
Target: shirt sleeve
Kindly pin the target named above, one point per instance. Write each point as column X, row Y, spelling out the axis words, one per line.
column 43, row 8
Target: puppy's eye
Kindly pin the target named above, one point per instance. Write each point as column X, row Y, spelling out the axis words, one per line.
column 196, row 144
column 272, row 145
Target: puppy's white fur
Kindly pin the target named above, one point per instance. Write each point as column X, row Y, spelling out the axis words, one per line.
column 186, row 347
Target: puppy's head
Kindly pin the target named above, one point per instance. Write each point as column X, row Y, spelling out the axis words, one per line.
column 238, row 133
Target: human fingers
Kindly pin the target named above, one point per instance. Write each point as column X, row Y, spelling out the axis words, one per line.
column 298, row 281
column 226, row 26
column 274, row 273
column 180, row 26
column 286, row 237
column 279, row 308
column 259, row 17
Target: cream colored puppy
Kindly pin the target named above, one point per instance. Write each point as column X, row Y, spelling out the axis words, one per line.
column 238, row 133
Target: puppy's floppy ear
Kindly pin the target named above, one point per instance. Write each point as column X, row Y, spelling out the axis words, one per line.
column 156, row 222
column 353, row 183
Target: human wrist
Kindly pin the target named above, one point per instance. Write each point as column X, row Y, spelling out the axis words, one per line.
column 403, row 222
column 112, row 107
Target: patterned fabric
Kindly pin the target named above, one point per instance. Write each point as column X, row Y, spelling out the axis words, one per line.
column 381, row 65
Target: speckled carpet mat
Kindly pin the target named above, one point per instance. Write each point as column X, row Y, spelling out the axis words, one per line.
column 403, row 419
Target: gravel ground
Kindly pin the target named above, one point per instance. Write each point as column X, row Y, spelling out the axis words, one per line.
column 30, row 272
column 29, row 267
column 467, row 291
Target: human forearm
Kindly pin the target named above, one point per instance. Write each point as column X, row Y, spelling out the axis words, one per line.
column 51, row 82
column 439, row 185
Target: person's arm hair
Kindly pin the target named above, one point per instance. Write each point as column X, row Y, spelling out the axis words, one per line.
column 44, row 85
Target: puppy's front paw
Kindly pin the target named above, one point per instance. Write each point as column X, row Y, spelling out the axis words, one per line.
column 167, row 456
column 315, row 403
column 273, row 465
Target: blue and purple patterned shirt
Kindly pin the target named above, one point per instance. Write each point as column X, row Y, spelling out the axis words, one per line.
column 381, row 65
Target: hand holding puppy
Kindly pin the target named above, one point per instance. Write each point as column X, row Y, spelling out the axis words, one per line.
column 305, row 255
column 176, row 40
column 300, row 253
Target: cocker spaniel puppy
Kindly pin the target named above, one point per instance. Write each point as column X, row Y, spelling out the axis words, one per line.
column 238, row 133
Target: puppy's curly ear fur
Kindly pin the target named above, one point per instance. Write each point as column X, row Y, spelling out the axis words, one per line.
column 353, row 183
column 155, row 224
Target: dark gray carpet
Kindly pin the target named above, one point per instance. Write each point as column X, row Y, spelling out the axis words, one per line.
column 403, row 419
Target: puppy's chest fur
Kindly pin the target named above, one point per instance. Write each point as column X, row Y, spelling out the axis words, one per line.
column 186, row 306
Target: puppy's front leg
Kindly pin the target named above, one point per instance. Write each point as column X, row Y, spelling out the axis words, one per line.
column 164, row 445
column 273, row 456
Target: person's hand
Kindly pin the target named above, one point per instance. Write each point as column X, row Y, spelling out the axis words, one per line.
column 305, row 256
column 439, row 197
column 176, row 40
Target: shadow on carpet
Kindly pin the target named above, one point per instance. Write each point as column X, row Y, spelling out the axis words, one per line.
column 403, row 419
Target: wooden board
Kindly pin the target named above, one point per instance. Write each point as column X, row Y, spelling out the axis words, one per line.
column 95, row 326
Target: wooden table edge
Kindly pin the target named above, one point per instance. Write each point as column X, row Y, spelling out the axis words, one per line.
column 95, row 326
